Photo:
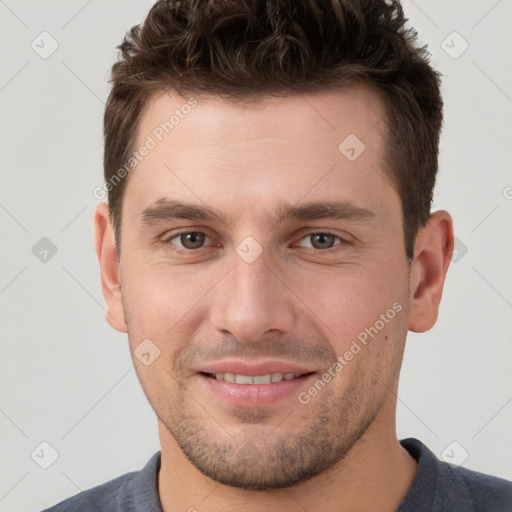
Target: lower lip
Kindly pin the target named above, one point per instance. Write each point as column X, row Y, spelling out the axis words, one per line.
column 255, row 395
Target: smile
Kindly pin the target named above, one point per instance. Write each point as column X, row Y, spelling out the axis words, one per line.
column 268, row 378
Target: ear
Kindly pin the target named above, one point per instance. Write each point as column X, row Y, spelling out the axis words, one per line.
column 109, row 267
column 433, row 250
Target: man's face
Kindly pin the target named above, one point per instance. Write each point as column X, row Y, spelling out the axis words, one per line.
column 246, row 292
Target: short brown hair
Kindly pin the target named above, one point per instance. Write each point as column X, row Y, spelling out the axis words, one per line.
column 242, row 50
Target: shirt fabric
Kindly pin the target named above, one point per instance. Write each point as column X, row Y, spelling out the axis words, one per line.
column 437, row 487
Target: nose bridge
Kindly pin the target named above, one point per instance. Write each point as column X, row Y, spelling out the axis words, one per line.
column 251, row 300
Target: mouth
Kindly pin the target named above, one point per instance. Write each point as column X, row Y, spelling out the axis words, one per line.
column 267, row 378
column 242, row 384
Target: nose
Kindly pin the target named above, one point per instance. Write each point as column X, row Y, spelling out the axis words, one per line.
column 252, row 300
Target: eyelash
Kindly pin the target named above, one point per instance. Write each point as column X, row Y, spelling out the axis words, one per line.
column 180, row 250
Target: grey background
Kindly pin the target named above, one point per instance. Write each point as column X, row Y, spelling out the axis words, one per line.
column 66, row 377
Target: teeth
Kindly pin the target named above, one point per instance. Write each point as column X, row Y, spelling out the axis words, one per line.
column 256, row 379
column 263, row 379
column 244, row 379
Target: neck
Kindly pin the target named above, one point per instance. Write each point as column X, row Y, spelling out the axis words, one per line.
column 376, row 473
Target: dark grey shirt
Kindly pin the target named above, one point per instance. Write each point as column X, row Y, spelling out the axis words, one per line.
column 437, row 487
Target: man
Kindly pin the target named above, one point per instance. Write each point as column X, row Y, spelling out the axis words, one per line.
column 267, row 245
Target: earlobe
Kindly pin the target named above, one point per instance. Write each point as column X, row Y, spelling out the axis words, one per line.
column 109, row 267
column 432, row 255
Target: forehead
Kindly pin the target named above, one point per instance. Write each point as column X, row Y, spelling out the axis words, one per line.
column 206, row 149
column 303, row 117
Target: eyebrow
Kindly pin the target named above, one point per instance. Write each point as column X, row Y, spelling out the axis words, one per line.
column 166, row 209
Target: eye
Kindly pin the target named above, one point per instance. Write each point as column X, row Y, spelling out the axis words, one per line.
column 321, row 240
column 189, row 240
column 195, row 240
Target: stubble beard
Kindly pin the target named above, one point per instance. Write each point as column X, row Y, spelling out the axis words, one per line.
column 266, row 458
column 271, row 461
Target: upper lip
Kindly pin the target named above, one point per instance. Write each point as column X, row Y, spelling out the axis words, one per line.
column 239, row 367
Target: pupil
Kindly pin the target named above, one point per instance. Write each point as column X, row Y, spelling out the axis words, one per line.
column 323, row 240
column 192, row 240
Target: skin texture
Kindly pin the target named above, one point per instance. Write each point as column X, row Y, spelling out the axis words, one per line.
column 295, row 302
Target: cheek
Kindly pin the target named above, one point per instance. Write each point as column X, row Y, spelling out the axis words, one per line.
column 355, row 301
column 161, row 300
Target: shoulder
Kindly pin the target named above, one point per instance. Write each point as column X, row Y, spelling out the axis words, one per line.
column 120, row 494
column 102, row 497
column 440, row 486
column 484, row 492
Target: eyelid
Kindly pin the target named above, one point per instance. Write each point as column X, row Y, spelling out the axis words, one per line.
column 166, row 238
column 344, row 240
